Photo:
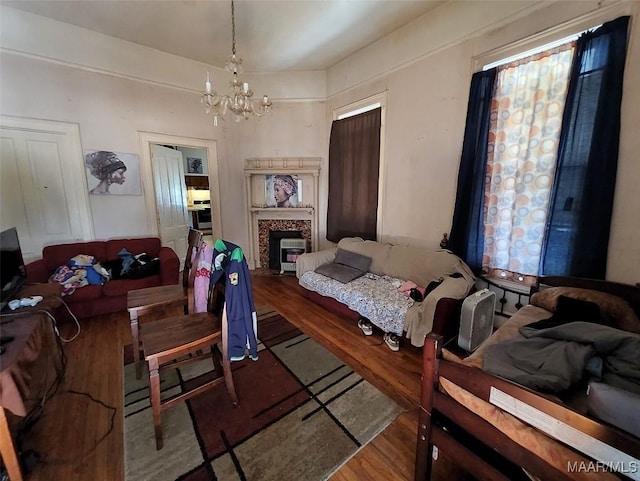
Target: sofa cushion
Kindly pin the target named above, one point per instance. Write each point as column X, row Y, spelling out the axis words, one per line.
column 407, row 262
column 374, row 297
column 420, row 265
column 86, row 293
column 120, row 287
column 58, row 255
column 147, row 245
column 377, row 251
column 144, row 266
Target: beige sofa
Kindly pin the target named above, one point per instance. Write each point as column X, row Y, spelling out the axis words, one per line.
column 390, row 266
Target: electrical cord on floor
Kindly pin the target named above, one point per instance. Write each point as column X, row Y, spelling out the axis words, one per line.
column 73, row 316
column 79, row 457
column 11, row 315
column 76, row 457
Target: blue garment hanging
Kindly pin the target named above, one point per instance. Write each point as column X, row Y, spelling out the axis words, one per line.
column 242, row 321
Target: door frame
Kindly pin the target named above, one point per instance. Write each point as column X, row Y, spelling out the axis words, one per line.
column 146, row 173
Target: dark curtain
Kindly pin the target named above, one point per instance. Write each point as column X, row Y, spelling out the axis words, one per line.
column 467, row 232
column 577, row 232
column 354, row 161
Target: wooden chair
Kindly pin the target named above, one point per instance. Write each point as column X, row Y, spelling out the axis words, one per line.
column 174, row 341
column 145, row 301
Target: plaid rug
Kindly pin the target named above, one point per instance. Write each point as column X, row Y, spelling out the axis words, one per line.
column 302, row 415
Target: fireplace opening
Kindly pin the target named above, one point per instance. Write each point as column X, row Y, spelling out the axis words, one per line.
column 274, row 244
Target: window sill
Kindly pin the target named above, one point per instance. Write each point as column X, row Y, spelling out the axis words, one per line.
column 509, row 286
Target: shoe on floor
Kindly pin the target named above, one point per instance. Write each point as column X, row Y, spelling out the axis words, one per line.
column 365, row 326
column 392, row 341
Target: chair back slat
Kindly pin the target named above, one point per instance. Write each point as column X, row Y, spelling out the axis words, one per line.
column 215, row 303
column 194, row 242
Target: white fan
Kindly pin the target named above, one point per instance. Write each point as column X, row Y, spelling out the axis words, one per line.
column 476, row 319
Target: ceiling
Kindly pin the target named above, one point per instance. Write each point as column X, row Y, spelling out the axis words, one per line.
column 271, row 35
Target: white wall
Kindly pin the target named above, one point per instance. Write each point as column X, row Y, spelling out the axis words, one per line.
column 426, row 110
column 111, row 111
column 294, row 129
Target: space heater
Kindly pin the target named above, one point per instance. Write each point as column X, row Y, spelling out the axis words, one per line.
column 476, row 319
column 290, row 250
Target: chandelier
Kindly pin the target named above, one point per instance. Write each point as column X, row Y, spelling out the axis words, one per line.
column 238, row 100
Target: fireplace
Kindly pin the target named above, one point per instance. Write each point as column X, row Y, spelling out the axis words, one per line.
column 271, row 231
column 264, row 216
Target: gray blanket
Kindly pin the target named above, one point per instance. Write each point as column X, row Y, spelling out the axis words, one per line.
column 553, row 359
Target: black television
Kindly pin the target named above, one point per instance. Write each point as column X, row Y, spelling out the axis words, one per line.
column 13, row 273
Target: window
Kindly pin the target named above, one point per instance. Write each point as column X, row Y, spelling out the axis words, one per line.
column 525, row 120
column 359, row 110
column 355, row 160
column 539, row 161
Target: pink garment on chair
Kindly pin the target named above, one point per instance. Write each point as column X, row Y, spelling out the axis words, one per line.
column 201, row 282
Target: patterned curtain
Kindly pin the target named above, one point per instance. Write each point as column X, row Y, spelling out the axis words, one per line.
column 526, row 118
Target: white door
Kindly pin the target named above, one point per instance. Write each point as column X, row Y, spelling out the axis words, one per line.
column 43, row 189
column 171, row 198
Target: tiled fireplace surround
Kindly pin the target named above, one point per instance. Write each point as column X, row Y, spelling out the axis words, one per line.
column 264, row 226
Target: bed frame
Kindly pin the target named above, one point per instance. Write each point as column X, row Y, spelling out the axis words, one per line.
column 477, row 446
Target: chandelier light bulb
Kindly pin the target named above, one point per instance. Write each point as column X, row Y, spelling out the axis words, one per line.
column 208, row 88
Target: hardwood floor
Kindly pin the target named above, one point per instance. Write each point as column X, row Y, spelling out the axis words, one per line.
column 82, row 439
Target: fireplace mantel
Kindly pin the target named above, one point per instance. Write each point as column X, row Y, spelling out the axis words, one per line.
column 307, row 170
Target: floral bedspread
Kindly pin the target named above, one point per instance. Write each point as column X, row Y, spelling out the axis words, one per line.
column 375, row 297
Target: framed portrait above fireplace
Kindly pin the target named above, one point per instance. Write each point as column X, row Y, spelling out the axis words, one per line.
column 283, row 190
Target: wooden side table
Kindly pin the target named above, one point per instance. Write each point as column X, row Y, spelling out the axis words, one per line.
column 32, row 331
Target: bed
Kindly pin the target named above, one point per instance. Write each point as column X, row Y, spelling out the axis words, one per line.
column 501, row 430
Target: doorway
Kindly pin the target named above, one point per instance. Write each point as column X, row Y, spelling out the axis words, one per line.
column 197, row 172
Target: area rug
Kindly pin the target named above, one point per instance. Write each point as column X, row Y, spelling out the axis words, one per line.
column 302, row 415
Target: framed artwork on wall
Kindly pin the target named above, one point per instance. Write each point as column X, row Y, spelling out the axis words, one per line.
column 195, row 165
column 283, row 190
column 112, row 173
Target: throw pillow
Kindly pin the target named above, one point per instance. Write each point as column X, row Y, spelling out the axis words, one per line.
column 346, row 266
column 339, row 272
column 353, row 259
column 569, row 309
column 615, row 310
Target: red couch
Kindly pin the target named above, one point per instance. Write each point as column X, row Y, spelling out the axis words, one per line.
column 112, row 296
